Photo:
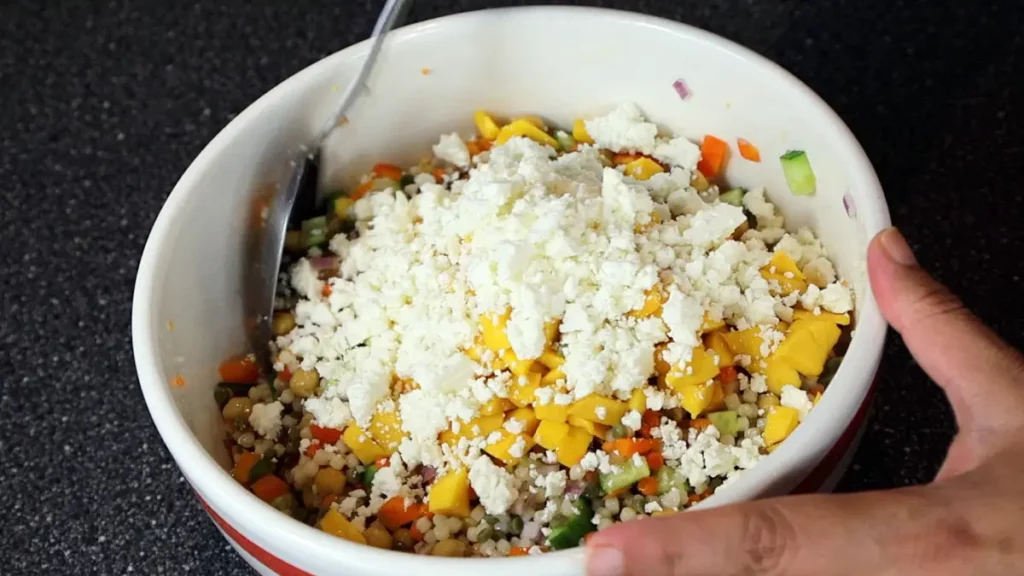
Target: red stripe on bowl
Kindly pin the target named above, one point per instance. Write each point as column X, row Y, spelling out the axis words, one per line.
column 266, row 558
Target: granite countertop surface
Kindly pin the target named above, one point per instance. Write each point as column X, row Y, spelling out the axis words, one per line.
column 103, row 104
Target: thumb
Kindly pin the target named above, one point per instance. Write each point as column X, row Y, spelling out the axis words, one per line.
column 872, row 533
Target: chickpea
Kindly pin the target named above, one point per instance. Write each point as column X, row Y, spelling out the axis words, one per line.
column 700, row 183
column 766, row 401
column 304, row 383
column 403, row 540
column 451, row 548
column 284, row 322
column 329, row 481
column 378, row 536
column 238, row 407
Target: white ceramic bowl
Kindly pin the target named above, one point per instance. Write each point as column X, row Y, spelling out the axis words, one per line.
column 560, row 63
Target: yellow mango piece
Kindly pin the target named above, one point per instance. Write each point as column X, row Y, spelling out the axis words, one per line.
column 386, row 430
column 779, row 374
column 599, row 409
column 807, row 345
column 496, row 406
column 698, row 370
column 710, row 325
column 698, row 398
column 551, row 433
column 475, row 353
column 486, row 125
column 515, row 365
column 573, row 446
column 716, row 344
column 337, row 525
column 526, row 129
column 652, row 305
column 479, row 426
column 552, row 377
column 643, row 168
column 551, row 359
column 551, row 330
column 527, row 416
column 580, row 134
column 746, row 342
column 660, row 365
column 784, row 270
column 779, row 424
column 535, row 120
column 552, row 411
column 592, row 428
column 840, row 319
column 450, row 494
column 492, row 328
column 638, row 400
column 362, row 445
column 525, row 395
column 502, row 448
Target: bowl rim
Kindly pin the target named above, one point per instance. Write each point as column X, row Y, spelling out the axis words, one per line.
column 275, row 530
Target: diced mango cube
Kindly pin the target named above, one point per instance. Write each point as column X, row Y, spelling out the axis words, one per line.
column 710, row 325
column 552, row 411
column 526, row 129
column 599, row 409
column 527, row 416
column 535, row 120
column 698, row 398
column 362, row 445
column 780, row 423
column 573, row 447
column 746, row 342
column 699, row 369
column 779, row 374
column 492, row 327
column 784, row 270
column 386, row 430
column 638, row 400
column 496, row 406
column 551, row 330
column 717, row 344
column 594, row 429
column 502, row 449
column 579, row 132
column 552, row 377
column 840, row 319
column 652, row 305
column 450, row 494
column 337, row 525
column 643, row 168
column 486, row 125
column 550, row 433
column 660, row 365
column 807, row 345
column 551, row 359
column 525, row 394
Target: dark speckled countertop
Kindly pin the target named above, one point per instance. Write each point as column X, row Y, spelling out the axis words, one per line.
column 104, row 103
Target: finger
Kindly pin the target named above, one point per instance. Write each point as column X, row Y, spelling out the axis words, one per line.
column 879, row 533
column 980, row 373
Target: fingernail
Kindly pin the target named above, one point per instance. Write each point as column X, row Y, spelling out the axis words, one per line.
column 896, row 247
column 605, row 561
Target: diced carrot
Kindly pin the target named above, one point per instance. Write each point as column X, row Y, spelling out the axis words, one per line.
column 474, row 147
column 178, row 382
column 816, row 389
column 651, row 418
column 312, row 450
column 285, row 375
column 472, row 494
column 727, row 374
column 326, row 436
column 389, row 171
column 620, row 159
column 700, row 423
column 394, row 514
column 608, row 446
column 748, row 151
column 381, row 463
column 328, row 500
column 269, row 488
column 626, row 447
column 520, row 551
column 416, row 533
column 239, row 370
column 694, row 498
column 713, row 153
column 484, row 144
column 438, row 174
column 655, row 461
column 326, row 290
column 363, row 190
column 243, row 466
column 647, row 486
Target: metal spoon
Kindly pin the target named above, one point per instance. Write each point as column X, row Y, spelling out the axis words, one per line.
column 295, row 201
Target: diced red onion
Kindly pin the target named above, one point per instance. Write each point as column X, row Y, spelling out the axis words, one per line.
column 575, row 488
column 428, row 473
column 324, row 263
column 682, row 89
column 531, row 530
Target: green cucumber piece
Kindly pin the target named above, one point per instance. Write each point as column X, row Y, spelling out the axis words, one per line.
column 367, row 477
column 733, row 196
column 629, row 473
column 565, row 141
column 261, row 469
column 669, row 478
column 799, row 175
column 569, row 534
column 726, row 421
column 314, row 232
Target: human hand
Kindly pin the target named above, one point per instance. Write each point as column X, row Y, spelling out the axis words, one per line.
column 965, row 522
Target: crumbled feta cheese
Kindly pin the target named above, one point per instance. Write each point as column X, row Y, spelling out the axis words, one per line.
column 623, row 129
column 796, row 398
column 329, row 412
column 266, row 419
column 632, row 420
column 836, row 298
column 495, row 486
column 452, row 149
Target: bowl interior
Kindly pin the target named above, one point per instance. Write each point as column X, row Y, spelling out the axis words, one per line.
column 429, row 80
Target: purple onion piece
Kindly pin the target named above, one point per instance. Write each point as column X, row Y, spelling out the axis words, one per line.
column 320, row 263
column 575, row 488
column 682, row 89
column 428, row 473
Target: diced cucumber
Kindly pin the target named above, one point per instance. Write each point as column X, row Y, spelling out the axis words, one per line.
column 340, row 207
column 314, row 232
column 565, row 141
column 733, row 196
column 726, row 421
column 261, row 469
column 669, row 478
column 799, row 175
column 367, row 477
column 630, row 473
column 569, row 534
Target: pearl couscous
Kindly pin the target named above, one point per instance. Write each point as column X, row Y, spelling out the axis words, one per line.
column 532, row 335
